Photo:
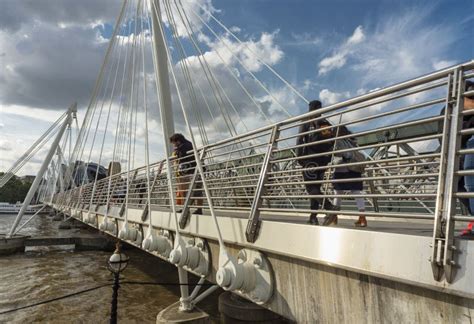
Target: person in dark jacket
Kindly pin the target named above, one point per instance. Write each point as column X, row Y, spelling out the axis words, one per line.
column 468, row 163
column 354, row 187
column 185, row 167
column 314, row 136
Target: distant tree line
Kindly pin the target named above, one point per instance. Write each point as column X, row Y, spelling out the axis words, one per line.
column 14, row 190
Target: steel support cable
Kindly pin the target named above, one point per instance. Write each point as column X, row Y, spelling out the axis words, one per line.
column 129, row 151
column 127, row 77
column 217, row 96
column 87, row 129
column 214, row 83
column 205, row 65
column 196, row 155
column 232, row 73
column 184, row 69
column 260, row 83
column 136, row 76
column 32, row 153
column 251, row 51
column 99, row 77
column 7, row 176
column 187, row 76
column 112, row 93
column 229, row 70
column 123, row 147
column 123, row 108
column 44, row 138
column 118, row 27
column 115, row 154
column 145, row 107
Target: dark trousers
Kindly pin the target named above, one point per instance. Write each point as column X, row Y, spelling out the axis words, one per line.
column 314, row 188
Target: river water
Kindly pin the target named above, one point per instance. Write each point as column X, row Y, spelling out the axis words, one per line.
column 43, row 273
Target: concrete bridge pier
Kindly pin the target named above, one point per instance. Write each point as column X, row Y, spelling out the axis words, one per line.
column 11, row 245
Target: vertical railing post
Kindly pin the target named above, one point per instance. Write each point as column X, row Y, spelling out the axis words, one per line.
column 443, row 232
column 253, row 224
column 452, row 178
column 187, row 202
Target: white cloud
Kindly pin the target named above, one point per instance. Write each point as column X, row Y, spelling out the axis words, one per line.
column 335, row 61
column 5, row 145
column 339, row 58
column 202, row 8
column 328, row 97
column 396, row 48
column 441, row 64
column 357, row 37
column 304, row 39
column 235, row 29
column 229, row 52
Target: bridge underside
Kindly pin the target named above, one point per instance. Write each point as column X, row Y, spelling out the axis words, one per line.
column 334, row 273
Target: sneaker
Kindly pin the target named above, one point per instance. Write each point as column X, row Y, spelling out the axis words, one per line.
column 469, row 230
column 330, row 220
column 313, row 219
column 198, row 211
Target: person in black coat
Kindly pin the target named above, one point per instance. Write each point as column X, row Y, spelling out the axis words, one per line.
column 311, row 161
column 186, row 165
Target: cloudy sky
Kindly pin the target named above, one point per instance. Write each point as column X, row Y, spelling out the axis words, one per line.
column 51, row 51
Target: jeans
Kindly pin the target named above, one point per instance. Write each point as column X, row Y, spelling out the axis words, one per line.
column 469, row 165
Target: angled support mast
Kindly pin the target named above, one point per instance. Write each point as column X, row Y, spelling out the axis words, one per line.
column 160, row 60
column 39, row 176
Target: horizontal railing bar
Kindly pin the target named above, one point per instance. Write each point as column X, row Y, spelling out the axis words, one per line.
column 364, row 119
column 361, row 148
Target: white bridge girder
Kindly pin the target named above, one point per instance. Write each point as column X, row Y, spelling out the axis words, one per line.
column 394, row 256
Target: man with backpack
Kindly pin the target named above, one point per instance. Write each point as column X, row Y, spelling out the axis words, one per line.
column 311, row 133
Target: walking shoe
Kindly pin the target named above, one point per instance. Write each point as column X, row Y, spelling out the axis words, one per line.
column 330, row 220
column 313, row 219
column 198, row 211
column 469, row 230
column 362, row 222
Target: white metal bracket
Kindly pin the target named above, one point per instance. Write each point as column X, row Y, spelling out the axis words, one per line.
column 250, row 275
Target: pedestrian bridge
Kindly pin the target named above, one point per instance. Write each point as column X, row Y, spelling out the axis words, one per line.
column 255, row 200
column 253, row 239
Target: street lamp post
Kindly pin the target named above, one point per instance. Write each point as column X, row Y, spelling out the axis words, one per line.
column 118, row 261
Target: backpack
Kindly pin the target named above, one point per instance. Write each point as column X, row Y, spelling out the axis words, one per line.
column 351, row 156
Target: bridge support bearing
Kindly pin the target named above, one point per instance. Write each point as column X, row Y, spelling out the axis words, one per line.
column 160, row 243
column 109, row 226
column 91, row 219
column 77, row 214
column 193, row 254
column 132, row 234
column 250, row 276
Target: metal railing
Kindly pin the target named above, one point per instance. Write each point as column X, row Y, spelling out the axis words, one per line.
column 411, row 150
